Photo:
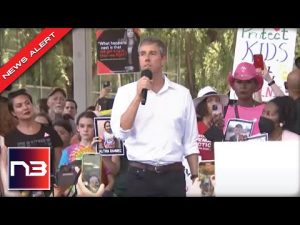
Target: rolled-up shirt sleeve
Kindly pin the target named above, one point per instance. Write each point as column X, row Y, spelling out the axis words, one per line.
column 120, row 105
column 191, row 131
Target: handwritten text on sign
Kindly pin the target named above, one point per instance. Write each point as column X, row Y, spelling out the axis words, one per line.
column 277, row 45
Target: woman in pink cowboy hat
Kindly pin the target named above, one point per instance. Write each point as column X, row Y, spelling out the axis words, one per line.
column 245, row 81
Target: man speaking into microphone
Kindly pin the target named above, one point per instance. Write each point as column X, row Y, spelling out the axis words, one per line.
column 156, row 119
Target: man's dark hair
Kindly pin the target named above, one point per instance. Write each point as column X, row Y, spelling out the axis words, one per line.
column 15, row 94
column 72, row 100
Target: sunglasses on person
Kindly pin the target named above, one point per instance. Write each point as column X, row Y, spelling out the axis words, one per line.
column 285, row 85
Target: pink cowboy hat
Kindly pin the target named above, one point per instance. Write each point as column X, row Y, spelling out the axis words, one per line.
column 246, row 71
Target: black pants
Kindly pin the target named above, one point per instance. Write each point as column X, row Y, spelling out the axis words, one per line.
column 143, row 183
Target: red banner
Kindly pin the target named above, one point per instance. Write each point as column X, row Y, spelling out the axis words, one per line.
column 29, row 54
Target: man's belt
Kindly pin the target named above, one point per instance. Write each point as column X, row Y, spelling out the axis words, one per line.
column 157, row 169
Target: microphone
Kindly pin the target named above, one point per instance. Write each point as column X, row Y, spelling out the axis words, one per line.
column 147, row 73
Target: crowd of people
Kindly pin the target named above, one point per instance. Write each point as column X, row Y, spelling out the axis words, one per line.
column 157, row 136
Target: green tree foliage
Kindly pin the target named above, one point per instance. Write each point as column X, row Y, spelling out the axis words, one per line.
column 199, row 57
column 297, row 47
column 196, row 57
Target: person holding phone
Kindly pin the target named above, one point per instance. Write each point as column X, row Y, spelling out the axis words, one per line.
column 75, row 152
column 158, row 134
column 91, row 171
column 264, row 71
column 83, row 191
column 209, row 109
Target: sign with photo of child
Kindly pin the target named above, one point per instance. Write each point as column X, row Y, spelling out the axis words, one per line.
column 108, row 144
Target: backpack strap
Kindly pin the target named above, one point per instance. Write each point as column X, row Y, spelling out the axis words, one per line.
column 236, row 111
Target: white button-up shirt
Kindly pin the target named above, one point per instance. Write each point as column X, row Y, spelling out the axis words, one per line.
column 165, row 128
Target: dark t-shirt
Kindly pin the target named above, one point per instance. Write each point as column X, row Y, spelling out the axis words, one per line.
column 297, row 123
column 45, row 137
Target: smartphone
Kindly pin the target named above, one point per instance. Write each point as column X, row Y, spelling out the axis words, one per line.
column 217, row 109
column 258, row 61
column 66, row 176
column 91, row 171
column 106, row 84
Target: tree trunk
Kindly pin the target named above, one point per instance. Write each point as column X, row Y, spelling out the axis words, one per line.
column 68, row 52
column 189, row 56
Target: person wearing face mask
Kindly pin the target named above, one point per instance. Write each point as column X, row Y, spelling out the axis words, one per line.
column 277, row 118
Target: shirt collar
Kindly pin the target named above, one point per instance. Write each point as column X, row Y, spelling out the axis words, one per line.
column 168, row 84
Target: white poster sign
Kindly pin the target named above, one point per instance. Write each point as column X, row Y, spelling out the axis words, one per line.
column 277, row 45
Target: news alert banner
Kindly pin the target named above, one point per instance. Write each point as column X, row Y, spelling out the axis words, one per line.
column 30, row 54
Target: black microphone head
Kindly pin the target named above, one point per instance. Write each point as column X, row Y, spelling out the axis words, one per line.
column 147, row 73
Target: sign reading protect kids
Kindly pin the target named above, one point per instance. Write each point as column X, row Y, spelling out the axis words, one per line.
column 277, row 45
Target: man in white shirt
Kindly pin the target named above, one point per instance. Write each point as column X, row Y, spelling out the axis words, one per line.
column 158, row 134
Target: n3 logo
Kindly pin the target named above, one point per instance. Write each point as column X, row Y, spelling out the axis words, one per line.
column 42, row 168
column 29, row 168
